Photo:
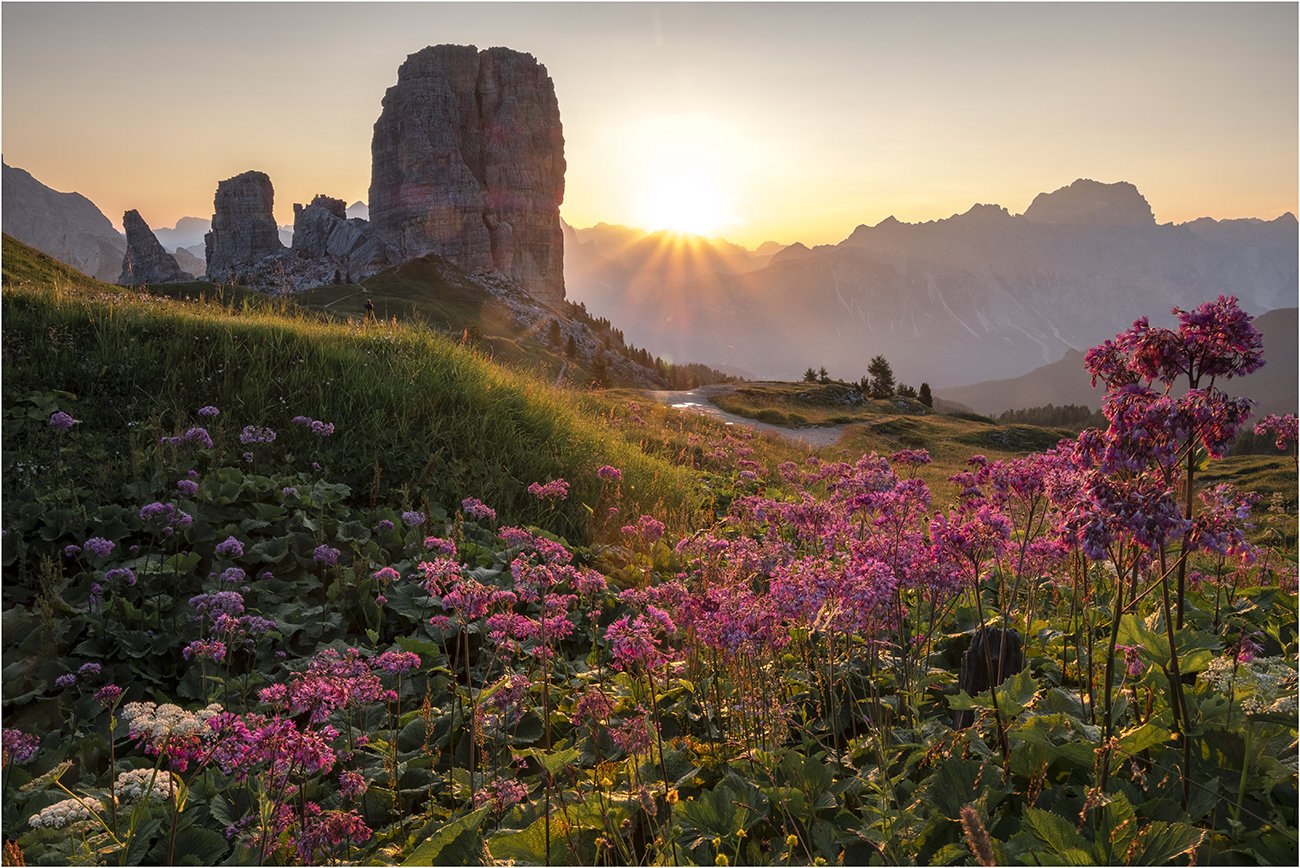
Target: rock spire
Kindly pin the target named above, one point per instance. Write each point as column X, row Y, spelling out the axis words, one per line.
column 243, row 225
column 468, row 163
column 146, row 261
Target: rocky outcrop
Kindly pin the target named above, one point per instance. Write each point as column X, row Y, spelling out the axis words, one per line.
column 146, row 261
column 330, row 248
column 243, row 226
column 1091, row 203
column 66, row 226
column 468, row 163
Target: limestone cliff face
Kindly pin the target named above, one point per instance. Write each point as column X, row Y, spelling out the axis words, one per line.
column 329, row 247
column 146, row 261
column 468, row 163
column 67, row 226
column 243, row 225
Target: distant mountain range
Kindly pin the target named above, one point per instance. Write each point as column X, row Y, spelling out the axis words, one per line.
column 984, row 294
column 1274, row 387
column 1008, row 301
column 67, row 226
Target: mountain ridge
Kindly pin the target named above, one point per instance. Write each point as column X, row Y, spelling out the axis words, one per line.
column 985, row 290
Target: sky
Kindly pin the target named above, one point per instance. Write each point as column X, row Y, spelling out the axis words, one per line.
column 751, row 121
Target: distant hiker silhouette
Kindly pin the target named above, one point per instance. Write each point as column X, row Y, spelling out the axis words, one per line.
column 370, row 311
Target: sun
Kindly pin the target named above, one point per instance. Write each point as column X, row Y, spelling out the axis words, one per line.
column 684, row 197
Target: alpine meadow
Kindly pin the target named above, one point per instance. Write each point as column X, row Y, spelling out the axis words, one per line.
column 437, row 529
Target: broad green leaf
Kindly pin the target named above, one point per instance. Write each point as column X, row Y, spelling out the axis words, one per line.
column 554, row 761
column 194, row 846
column 1142, row 737
column 1160, row 843
column 1117, row 828
column 456, row 843
column 1058, row 835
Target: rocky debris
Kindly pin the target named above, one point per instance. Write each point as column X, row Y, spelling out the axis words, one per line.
column 330, row 248
column 468, row 163
column 146, row 261
column 66, row 226
column 1091, row 203
column 243, row 226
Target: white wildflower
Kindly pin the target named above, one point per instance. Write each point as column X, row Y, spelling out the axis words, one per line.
column 160, row 721
column 1265, row 684
column 136, row 783
column 62, row 813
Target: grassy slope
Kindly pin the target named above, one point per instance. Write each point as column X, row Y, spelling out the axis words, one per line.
column 425, row 416
column 441, row 421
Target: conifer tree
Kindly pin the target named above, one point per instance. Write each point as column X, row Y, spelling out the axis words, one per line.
column 882, row 378
column 924, row 395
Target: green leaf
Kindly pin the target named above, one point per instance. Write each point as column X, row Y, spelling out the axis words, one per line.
column 456, row 843
column 554, row 761
column 1116, row 831
column 1159, row 843
column 1145, row 736
column 194, row 846
column 1058, row 835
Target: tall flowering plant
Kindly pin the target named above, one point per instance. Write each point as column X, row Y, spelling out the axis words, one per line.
column 1137, row 476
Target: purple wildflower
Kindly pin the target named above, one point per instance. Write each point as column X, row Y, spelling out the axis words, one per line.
column 122, row 574
column 199, row 436
column 611, row 473
column 230, row 548
column 70, row 550
column 99, row 547
column 253, row 434
column 476, row 509
column 322, row 429
column 555, row 488
column 65, row 680
column 108, row 695
column 396, row 661
column 209, row 411
column 384, row 525
column 19, row 746
column 62, row 421
column 88, row 670
column 325, row 555
column 187, row 487
column 201, row 650
column 414, row 519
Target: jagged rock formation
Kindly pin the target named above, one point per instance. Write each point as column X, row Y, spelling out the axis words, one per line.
column 243, row 226
column 146, row 261
column 330, row 248
column 1090, row 203
column 468, row 163
column 66, row 226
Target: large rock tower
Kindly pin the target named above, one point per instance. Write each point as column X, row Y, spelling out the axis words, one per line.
column 468, row 163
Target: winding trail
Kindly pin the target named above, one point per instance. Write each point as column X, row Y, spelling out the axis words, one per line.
column 697, row 401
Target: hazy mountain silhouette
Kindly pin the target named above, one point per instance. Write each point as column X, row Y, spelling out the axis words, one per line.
column 187, row 232
column 984, row 294
column 66, row 226
column 1275, row 386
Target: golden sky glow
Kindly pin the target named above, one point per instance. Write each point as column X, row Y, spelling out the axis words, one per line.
column 766, row 121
